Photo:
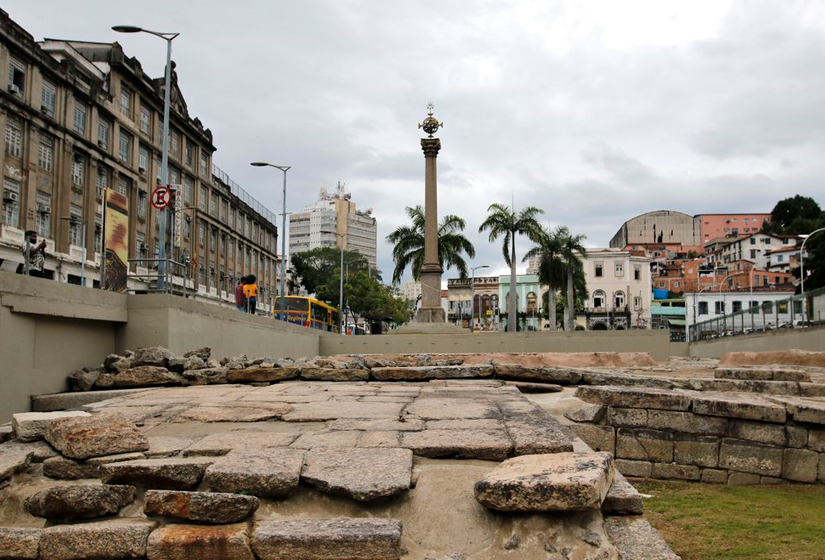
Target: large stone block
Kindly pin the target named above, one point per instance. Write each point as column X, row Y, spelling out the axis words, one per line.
column 690, row 449
column 638, row 469
column 187, row 542
column 206, row 376
column 546, row 374
column 152, row 356
column 750, row 457
column 804, row 410
column 169, row 473
column 361, row 474
column 328, row 539
column 598, row 438
column 592, row 413
column 800, row 465
column 743, row 479
column 635, row 397
column 536, row 434
column 334, row 374
column 489, row 445
column 816, row 440
column 627, row 417
column 738, row 405
column 635, row 539
column 31, row 426
column 714, row 476
column 421, row 373
column 13, row 459
column 552, row 482
column 771, row 434
column 120, row 538
column 644, row 445
column 148, row 376
column 17, row 543
column 686, row 422
column 667, row 471
column 79, row 501
column 201, row 507
column 260, row 374
column 272, row 473
column 95, row 436
column 622, row 498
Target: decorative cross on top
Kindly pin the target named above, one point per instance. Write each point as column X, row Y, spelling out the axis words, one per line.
column 430, row 124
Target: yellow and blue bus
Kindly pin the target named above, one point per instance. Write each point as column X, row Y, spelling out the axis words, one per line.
column 309, row 312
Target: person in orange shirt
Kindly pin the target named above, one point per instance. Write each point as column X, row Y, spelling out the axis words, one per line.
column 250, row 292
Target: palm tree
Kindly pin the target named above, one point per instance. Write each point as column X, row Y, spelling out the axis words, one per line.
column 571, row 251
column 408, row 244
column 551, row 267
column 504, row 222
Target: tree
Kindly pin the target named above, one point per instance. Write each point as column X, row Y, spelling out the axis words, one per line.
column 572, row 250
column 815, row 258
column 312, row 269
column 504, row 222
column 408, row 241
column 366, row 297
column 551, row 267
column 795, row 215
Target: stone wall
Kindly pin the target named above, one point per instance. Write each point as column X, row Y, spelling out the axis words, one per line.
column 732, row 438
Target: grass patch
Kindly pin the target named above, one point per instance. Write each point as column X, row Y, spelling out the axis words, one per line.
column 718, row 522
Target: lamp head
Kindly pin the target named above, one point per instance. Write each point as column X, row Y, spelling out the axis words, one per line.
column 259, row 164
column 126, row 29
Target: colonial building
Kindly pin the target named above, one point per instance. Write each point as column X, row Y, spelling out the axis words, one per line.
column 619, row 285
column 81, row 117
column 332, row 221
column 462, row 305
column 528, row 300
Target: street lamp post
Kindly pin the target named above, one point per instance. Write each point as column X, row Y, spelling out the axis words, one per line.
column 164, row 166
column 802, row 258
column 341, row 282
column 473, row 296
column 283, row 168
column 74, row 221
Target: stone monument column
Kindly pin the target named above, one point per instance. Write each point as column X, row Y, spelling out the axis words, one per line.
column 431, row 310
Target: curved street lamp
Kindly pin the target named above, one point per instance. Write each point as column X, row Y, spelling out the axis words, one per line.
column 164, row 166
column 282, row 303
column 802, row 258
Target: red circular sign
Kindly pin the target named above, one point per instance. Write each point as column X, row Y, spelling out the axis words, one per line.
column 161, row 197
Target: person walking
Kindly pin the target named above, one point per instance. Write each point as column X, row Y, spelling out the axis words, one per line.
column 35, row 255
column 250, row 292
column 240, row 299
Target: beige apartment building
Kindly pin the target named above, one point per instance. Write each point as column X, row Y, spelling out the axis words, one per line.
column 80, row 117
column 619, row 286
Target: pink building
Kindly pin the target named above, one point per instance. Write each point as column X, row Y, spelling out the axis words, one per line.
column 730, row 225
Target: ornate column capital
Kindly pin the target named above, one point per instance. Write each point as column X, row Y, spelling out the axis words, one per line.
column 430, row 146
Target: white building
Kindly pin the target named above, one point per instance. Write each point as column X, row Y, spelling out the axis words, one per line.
column 332, row 220
column 620, row 289
column 754, row 248
column 771, row 308
column 410, row 290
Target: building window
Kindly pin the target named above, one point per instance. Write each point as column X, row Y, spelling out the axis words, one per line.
column 143, row 159
column 637, row 273
column 188, row 185
column 174, row 175
column 80, row 118
column 17, row 75
column 145, row 120
column 174, row 143
column 780, row 258
column 204, row 163
column 189, row 156
column 98, row 231
column 598, row 299
column 753, row 241
column 224, row 204
column 45, row 152
column 531, row 303
column 101, row 181
column 76, row 225
column 78, row 170
column 142, row 203
column 213, row 204
column 213, row 240
column 187, row 227
column 48, row 97
column 719, row 308
column 11, row 203
column 637, row 303
column 103, row 128
column 140, row 245
column 599, row 270
column 43, row 215
column 14, row 136
column 204, row 199
column 123, row 186
column 126, row 102
column 753, row 253
column 619, row 267
column 125, row 152
column 618, row 300
column 201, row 235
column 737, row 306
column 703, row 308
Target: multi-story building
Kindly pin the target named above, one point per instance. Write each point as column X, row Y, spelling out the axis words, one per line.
column 763, row 307
column 662, row 227
column 410, row 290
column 753, row 248
column 785, row 259
column 619, row 284
column 528, row 300
column 715, row 226
column 484, row 308
column 331, row 221
column 81, row 117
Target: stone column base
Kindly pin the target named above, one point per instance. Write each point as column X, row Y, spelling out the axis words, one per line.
column 430, row 315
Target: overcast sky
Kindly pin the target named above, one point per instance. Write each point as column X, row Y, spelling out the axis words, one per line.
column 595, row 111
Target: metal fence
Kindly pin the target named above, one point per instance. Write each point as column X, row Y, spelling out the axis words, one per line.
column 244, row 196
column 145, row 271
column 795, row 312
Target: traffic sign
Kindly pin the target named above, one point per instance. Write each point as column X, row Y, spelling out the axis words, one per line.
column 161, row 197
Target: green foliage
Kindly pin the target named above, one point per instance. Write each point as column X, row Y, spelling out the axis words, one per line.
column 408, row 242
column 312, row 269
column 366, row 297
column 572, row 251
column 719, row 522
column 795, row 215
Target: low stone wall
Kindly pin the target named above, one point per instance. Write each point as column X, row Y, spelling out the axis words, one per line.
column 731, row 438
column 811, row 338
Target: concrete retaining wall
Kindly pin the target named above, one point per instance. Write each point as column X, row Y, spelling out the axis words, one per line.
column 812, row 339
column 656, row 342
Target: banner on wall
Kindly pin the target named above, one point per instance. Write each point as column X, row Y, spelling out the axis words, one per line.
column 116, row 236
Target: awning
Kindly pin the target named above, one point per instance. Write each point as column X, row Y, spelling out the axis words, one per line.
column 676, row 322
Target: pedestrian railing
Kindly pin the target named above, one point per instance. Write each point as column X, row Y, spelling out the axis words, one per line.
column 144, row 274
column 796, row 312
